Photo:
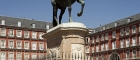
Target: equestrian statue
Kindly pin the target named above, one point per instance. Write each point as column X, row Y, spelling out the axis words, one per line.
column 62, row 5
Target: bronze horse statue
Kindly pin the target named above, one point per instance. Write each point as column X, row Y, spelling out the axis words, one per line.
column 62, row 5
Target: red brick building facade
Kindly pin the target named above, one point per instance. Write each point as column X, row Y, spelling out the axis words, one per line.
column 21, row 39
column 119, row 40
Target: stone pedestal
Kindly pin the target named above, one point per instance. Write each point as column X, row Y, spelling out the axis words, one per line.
column 66, row 41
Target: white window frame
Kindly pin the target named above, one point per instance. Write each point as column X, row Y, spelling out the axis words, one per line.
column 11, row 32
column 26, row 57
column 114, row 45
column 11, row 57
column 122, row 43
column 133, row 29
column 92, row 49
column 33, row 25
column 35, row 57
column 87, row 49
column 9, row 44
column 97, row 38
column 106, row 36
column 41, row 56
column 97, row 48
column 34, row 47
column 2, row 22
column 127, row 42
column 20, row 46
column 134, row 53
column 3, row 45
column 2, row 31
column 127, row 55
column 102, row 47
column 134, row 41
column 34, row 34
column 26, row 34
column 3, row 55
column 18, row 56
column 26, row 44
column 19, row 33
column 113, row 34
column 40, row 35
column 41, row 47
column 106, row 46
column 102, row 37
column 19, row 24
column 127, row 30
column 92, row 39
column 122, row 32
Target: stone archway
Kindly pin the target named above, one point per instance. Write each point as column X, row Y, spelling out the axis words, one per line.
column 114, row 56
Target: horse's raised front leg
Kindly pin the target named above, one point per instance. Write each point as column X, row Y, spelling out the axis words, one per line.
column 82, row 7
column 69, row 9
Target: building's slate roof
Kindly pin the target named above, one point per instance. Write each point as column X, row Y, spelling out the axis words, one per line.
column 119, row 23
column 25, row 23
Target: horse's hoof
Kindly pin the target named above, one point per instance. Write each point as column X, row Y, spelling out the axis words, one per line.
column 79, row 14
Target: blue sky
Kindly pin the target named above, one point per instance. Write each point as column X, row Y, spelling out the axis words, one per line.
column 96, row 12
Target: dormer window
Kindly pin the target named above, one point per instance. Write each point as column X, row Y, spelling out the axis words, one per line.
column 19, row 24
column 47, row 27
column 3, row 22
column 128, row 20
column 94, row 31
column 115, row 25
column 33, row 25
column 103, row 28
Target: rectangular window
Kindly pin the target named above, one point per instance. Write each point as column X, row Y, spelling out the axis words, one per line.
column 34, row 56
column 10, row 56
column 11, row 33
column 34, row 35
column 133, row 29
column 133, row 41
column 87, row 49
column 33, row 25
column 106, row 46
column 18, row 56
column 11, row 44
column 92, row 49
column 114, row 34
column 3, row 56
column 92, row 39
column 134, row 54
column 26, row 56
column 106, row 36
column 127, row 30
column 127, row 42
column 41, row 46
column 41, row 56
column 19, row 45
column 2, row 31
column 18, row 33
column 122, row 43
column 122, row 32
column 97, row 48
column 102, row 47
column 102, row 37
column 114, row 45
column 26, row 34
column 2, row 22
column 19, row 24
column 34, row 45
column 97, row 38
column 26, row 45
column 127, row 54
column 3, row 43
column 40, row 35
